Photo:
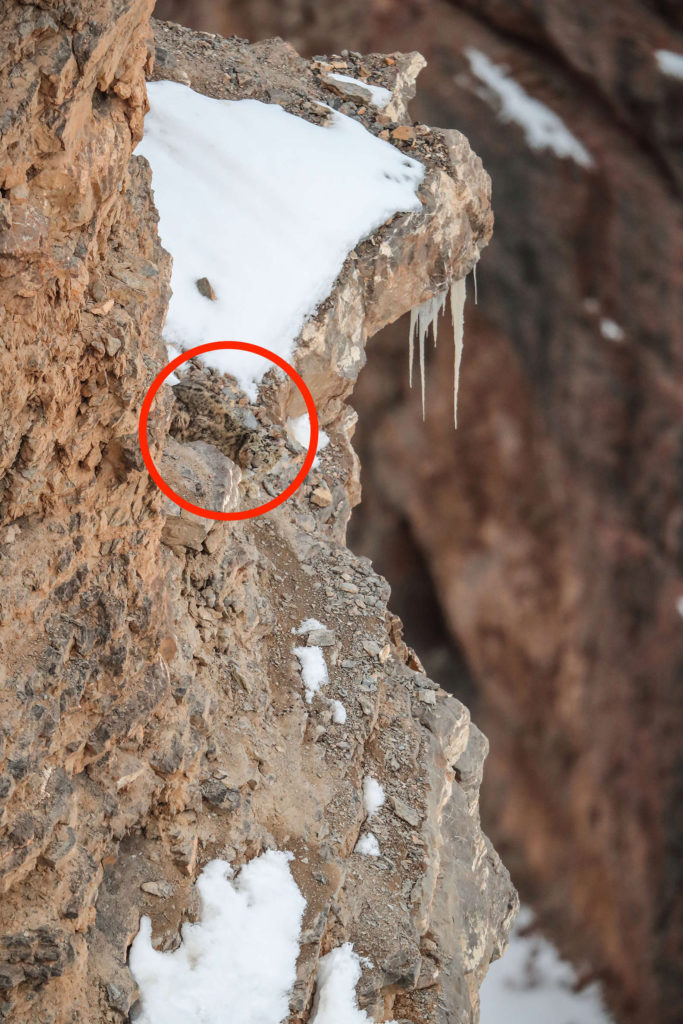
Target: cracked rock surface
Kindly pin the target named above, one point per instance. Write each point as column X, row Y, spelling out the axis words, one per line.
column 154, row 715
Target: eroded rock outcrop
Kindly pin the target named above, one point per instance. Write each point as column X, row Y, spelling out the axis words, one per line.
column 551, row 524
column 153, row 711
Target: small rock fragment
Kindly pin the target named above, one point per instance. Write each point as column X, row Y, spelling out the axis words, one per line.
column 320, row 638
column 112, row 345
column 371, row 647
column 164, row 890
column 404, row 133
column 404, row 811
column 321, row 496
column 217, row 793
column 384, row 653
column 204, row 288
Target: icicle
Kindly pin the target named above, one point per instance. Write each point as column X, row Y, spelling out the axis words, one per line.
column 458, row 315
column 474, row 275
column 439, row 307
column 411, row 344
column 423, row 333
column 423, row 317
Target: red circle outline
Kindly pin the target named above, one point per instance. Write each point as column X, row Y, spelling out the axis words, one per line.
column 243, row 346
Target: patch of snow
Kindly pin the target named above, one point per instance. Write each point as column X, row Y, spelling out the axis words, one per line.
column 531, row 984
column 307, row 626
column 368, row 845
column 267, row 207
column 670, row 63
column 373, row 795
column 313, row 669
column 679, row 606
column 338, row 712
column 542, row 127
column 611, row 330
column 299, row 429
column 335, row 997
column 219, row 972
column 379, row 96
column 220, row 962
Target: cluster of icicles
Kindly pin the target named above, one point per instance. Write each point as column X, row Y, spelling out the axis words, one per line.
column 426, row 315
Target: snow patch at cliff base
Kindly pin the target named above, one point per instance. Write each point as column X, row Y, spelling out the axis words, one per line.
column 266, row 207
column 220, row 962
column 531, row 984
column 335, row 1002
column 219, row 972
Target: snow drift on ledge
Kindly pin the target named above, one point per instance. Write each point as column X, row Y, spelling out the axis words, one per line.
column 266, row 206
column 237, row 963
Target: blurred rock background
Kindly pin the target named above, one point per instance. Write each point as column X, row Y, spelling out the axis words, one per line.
column 536, row 556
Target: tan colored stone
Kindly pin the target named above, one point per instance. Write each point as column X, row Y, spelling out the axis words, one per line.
column 166, row 723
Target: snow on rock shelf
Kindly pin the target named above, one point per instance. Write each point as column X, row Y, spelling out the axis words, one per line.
column 338, row 712
column 220, row 962
column 266, row 207
column 335, row 1002
column 220, row 968
column 299, row 429
column 368, row 845
column 373, row 796
column 313, row 669
column 374, row 94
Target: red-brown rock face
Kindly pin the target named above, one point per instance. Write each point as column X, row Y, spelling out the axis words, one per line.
column 154, row 713
column 552, row 524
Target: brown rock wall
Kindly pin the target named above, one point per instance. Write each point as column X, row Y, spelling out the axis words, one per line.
column 551, row 525
column 153, row 712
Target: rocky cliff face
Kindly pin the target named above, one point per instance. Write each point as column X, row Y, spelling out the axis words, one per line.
column 551, row 525
column 153, row 711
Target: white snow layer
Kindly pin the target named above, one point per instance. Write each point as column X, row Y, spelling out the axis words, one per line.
column 338, row 712
column 307, row 626
column 531, row 984
column 542, row 127
column 368, row 845
column 313, row 669
column 299, row 429
column 335, row 998
column 670, row 63
column 611, row 330
column 219, row 971
column 266, row 206
column 373, row 795
column 379, row 96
